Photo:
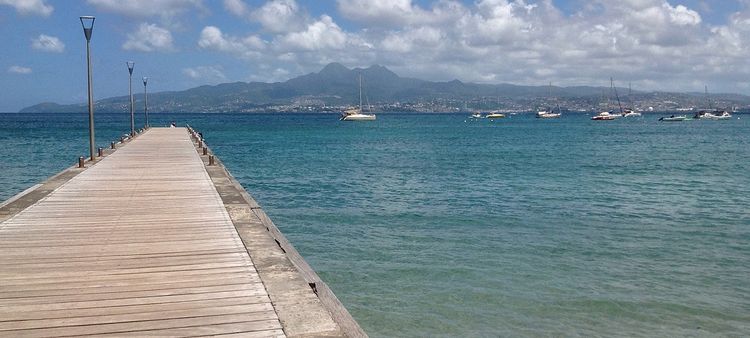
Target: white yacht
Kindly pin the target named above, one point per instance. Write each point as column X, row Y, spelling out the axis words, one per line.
column 630, row 112
column 712, row 115
column 603, row 116
column 627, row 112
column 355, row 114
column 547, row 114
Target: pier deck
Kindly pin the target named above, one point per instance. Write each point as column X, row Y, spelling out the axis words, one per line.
column 141, row 243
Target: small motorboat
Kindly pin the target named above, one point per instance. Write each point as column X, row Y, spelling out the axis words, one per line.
column 476, row 116
column 673, row 118
column 495, row 115
column 603, row 116
column 627, row 112
column 547, row 114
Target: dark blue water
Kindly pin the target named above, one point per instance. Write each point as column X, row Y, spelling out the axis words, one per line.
column 434, row 225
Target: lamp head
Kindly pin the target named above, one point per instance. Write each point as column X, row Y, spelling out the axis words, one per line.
column 145, row 79
column 130, row 66
column 87, row 22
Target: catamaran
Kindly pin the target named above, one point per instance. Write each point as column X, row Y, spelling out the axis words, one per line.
column 355, row 114
column 549, row 113
column 630, row 111
column 608, row 115
column 712, row 114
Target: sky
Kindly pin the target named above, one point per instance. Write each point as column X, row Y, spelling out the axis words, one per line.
column 670, row 45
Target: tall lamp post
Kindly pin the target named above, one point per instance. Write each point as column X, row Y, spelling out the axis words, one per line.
column 87, row 22
column 145, row 100
column 130, row 91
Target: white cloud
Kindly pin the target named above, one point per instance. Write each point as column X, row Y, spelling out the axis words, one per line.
column 682, row 16
column 275, row 16
column 279, row 16
column 520, row 41
column 149, row 38
column 48, row 43
column 26, row 7
column 205, row 73
column 236, row 7
column 146, row 8
column 19, row 70
column 320, row 35
column 395, row 13
column 213, row 39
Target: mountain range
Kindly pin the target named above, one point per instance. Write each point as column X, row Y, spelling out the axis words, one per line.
column 337, row 85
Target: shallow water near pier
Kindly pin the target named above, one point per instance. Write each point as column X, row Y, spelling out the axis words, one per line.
column 436, row 225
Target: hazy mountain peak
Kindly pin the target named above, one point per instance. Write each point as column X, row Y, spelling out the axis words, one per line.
column 334, row 68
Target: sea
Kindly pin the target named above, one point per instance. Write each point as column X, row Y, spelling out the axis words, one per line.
column 436, row 225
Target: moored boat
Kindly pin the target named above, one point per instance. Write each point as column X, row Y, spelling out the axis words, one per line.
column 673, row 118
column 627, row 112
column 495, row 115
column 603, row 116
column 630, row 111
column 547, row 114
column 355, row 114
column 712, row 115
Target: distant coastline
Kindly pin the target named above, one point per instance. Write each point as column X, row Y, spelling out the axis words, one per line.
column 333, row 88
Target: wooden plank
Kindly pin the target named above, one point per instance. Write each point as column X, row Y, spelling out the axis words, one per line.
column 262, row 309
column 254, row 289
column 246, row 329
column 250, row 302
column 110, row 289
column 200, row 325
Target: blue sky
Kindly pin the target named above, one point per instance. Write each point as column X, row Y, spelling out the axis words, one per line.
column 179, row 44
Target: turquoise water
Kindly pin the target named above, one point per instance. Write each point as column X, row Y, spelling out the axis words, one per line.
column 433, row 225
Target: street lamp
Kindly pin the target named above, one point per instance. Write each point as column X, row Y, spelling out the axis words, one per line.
column 131, row 64
column 87, row 22
column 145, row 100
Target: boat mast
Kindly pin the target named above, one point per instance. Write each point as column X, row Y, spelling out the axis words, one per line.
column 360, row 93
column 708, row 99
column 549, row 95
column 630, row 96
column 612, row 83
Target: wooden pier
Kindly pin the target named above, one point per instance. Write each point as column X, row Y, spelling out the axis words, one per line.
column 152, row 240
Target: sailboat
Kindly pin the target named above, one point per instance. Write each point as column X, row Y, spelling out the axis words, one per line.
column 630, row 111
column 712, row 114
column 609, row 115
column 355, row 114
column 549, row 113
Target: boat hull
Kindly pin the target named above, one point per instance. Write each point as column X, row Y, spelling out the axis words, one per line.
column 359, row 117
column 673, row 119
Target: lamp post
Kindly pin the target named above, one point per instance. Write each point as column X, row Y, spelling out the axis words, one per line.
column 87, row 30
column 145, row 100
column 130, row 91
